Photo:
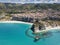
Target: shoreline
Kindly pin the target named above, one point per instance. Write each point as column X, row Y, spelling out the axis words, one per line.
column 47, row 29
column 37, row 31
column 16, row 22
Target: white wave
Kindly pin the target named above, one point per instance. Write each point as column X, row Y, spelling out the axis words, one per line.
column 15, row 22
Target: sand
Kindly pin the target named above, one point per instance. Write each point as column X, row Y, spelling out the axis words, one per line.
column 15, row 22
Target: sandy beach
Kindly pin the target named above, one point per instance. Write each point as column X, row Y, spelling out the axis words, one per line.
column 47, row 29
column 37, row 31
column 15, row 22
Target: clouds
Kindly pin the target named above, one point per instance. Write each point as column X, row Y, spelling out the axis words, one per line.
column 31, row 1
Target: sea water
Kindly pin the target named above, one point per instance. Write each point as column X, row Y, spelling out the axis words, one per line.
column 14, row 34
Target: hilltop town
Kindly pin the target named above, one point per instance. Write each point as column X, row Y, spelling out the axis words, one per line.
column 46, row 13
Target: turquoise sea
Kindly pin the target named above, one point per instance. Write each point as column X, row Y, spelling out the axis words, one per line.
column 14, row 34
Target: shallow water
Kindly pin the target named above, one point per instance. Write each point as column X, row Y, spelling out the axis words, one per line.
column 14, row 34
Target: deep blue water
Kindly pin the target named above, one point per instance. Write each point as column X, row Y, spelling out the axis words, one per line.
column 14, row 34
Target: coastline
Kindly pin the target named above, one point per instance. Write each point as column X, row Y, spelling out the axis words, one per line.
column 37, row 31
column 16, row 22
column 48, row 29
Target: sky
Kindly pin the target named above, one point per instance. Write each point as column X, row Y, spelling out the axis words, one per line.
column 30, row 1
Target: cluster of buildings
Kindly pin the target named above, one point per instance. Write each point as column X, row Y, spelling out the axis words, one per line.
column 31, row 16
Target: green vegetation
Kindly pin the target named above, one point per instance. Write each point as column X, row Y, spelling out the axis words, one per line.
column 13, row 8
column 28, row 7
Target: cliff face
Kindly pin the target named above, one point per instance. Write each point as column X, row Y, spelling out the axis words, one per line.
column 41, row 11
